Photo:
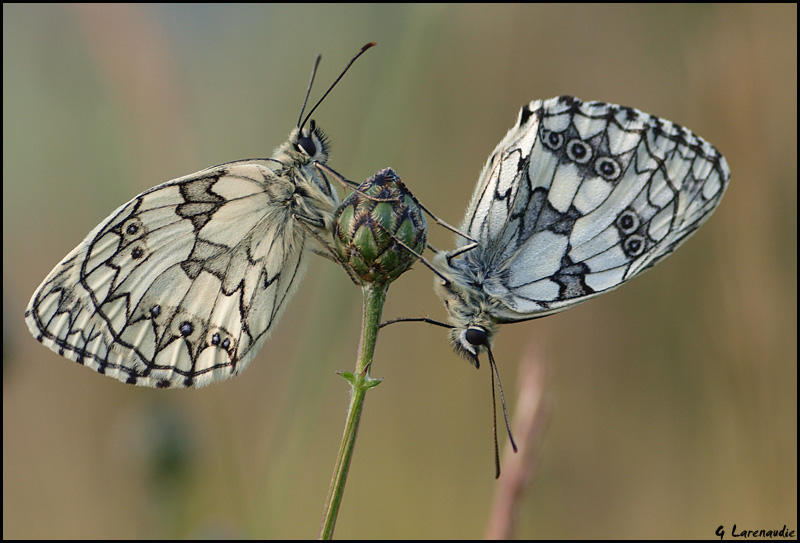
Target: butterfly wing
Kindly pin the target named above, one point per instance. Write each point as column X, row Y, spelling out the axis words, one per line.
column 580, row 197
column 181, row 285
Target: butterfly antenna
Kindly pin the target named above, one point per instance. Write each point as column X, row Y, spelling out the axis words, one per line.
column 361, row 52
column 308, row 90
column 494, row 414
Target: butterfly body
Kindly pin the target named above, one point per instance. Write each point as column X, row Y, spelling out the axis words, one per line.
column 577, row 198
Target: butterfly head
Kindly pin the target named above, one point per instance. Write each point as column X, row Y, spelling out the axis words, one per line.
column 308, row 144
column 470, row 342
column 470, row 312
column 304, row 146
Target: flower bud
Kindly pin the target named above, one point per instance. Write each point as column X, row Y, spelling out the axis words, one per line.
column 369, row 223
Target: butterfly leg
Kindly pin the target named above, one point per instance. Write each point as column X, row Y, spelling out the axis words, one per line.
column 324, row 168
column 419, row 257
column 323, row 254
column 460, row 251
column 347, row 184
column 441, row 223
column 329, row 253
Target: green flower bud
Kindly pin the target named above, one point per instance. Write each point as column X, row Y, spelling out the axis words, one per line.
column 369, row 223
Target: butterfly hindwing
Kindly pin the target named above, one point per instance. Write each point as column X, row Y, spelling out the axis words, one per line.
column 181, row 285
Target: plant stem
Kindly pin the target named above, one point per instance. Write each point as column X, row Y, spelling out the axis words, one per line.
column 360, row 382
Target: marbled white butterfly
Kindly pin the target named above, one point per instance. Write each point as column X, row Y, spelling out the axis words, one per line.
column 181, row 286
column 578, row 198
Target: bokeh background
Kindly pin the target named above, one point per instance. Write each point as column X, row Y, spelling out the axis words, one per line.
column 671, row 402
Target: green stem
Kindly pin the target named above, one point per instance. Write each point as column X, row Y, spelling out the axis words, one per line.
column 360, row 382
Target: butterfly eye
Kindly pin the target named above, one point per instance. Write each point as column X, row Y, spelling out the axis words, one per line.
column 476, row 336
column 307, row 144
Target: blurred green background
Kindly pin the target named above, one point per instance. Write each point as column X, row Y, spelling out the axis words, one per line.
column 672, row 401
